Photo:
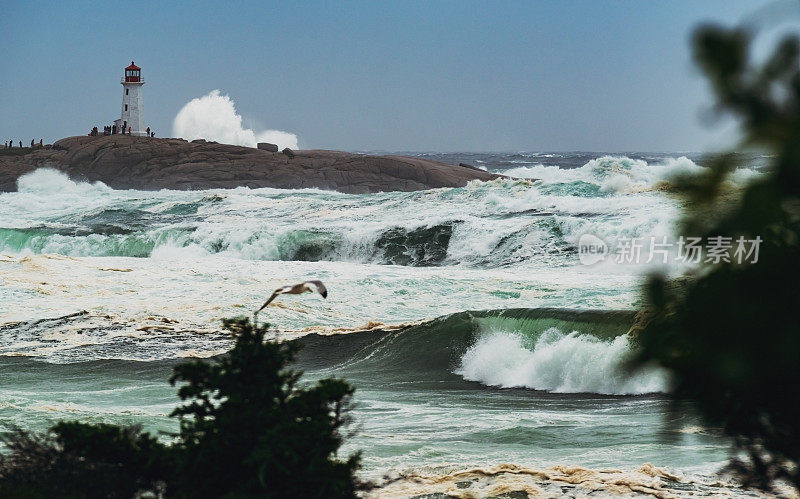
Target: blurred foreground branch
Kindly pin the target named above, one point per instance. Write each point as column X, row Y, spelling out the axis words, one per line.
column 731, row 336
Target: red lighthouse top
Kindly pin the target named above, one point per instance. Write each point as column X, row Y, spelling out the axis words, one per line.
column 133, row 73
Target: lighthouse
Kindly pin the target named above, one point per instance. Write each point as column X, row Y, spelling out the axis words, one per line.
column 132, row 106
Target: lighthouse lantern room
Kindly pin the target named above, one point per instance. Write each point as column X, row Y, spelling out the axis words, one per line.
column 132, row 107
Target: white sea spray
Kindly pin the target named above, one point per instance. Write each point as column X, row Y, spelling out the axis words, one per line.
column 214, row 117
column 558, row 362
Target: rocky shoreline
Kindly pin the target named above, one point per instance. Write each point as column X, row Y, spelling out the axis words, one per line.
column 127, row 162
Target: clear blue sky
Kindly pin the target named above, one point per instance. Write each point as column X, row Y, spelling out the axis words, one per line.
column 402, row 76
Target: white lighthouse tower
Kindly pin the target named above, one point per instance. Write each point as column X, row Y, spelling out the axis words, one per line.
column 132, row 106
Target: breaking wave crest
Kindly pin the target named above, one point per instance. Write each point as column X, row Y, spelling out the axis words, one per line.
column 422, row 246
column 557, row 362
column 521, row 348
column 615, row 175
column 46, row 181
column 612, row 174
column 485, row 224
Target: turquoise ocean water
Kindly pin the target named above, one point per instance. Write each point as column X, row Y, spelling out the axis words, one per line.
column 464, row 317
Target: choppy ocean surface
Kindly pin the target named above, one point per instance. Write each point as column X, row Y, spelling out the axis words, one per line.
column 459, row 314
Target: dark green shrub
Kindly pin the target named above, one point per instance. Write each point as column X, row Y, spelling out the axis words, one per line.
column 248, row 429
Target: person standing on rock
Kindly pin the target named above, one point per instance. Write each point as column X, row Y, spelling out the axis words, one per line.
column 40, row 143
column 129, row 130
column 148, row 131
column 32, row 142
column 20, row 144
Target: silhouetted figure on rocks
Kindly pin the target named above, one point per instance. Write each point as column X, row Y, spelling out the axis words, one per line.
column 20, row 144
column 113, row 129
column 40, row 143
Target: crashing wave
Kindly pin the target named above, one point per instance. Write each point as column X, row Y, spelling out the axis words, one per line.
column 557, row 362
column 506, row 348
column 486, row 224
column 522, row 348
column 611, row 174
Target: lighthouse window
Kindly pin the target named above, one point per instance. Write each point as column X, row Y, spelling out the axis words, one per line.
column 126, row 107
column 126, row 91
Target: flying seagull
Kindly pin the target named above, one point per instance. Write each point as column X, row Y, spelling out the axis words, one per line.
column 303, row 287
